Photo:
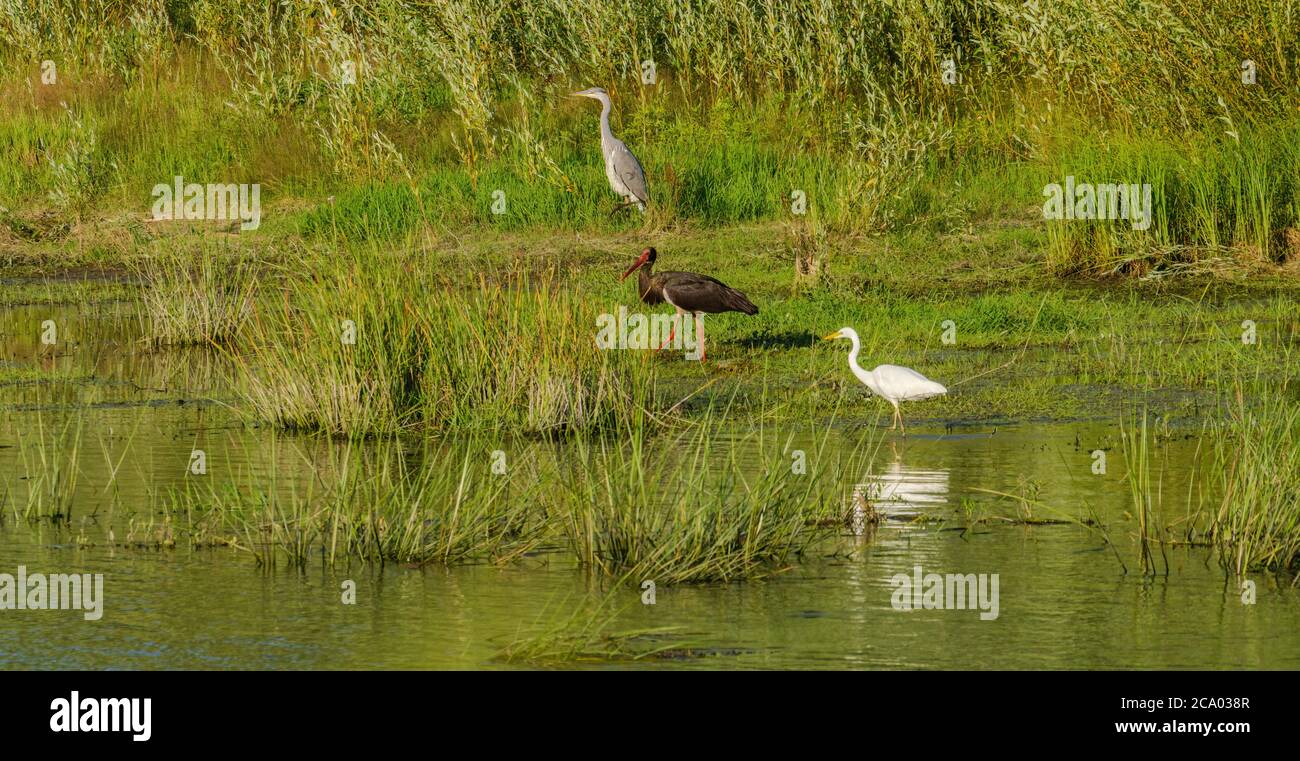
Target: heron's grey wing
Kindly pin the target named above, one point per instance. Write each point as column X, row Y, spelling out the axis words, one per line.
column 629, row 171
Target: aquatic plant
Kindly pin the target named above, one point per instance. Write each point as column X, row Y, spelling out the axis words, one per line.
column 382, row 344
column 1136, row 440
column 376, row 502
column 199, row 300
column 1256, row 456
column 700, row 507
column 50, row 459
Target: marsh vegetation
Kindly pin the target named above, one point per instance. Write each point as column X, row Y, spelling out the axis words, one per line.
column 396, row 370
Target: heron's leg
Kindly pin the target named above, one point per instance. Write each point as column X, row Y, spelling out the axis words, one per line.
column 620, row 207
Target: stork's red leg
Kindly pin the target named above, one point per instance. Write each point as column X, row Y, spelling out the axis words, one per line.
column 671, row 331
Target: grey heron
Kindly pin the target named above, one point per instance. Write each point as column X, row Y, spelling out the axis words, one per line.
column 626, row 177
column 892, row 383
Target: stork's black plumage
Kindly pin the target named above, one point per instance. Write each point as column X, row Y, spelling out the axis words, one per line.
column 687, row 292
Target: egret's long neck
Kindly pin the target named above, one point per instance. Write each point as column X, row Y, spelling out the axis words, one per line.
column 605, row 133
column 853, row 354
column 865, row 375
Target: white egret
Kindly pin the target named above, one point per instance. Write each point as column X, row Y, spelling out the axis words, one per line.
column 892, row 383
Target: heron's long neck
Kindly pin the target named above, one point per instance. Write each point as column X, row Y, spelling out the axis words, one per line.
column 605, row 133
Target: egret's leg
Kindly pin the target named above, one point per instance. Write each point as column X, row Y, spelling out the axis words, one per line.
column 894, row 424
column 900, row 422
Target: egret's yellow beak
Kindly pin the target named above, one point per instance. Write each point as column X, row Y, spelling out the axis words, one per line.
column 836, row 334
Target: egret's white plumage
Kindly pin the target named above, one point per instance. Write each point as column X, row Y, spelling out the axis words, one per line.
column 892, row 383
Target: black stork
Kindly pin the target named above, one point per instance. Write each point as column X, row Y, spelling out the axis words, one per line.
column 686, row 292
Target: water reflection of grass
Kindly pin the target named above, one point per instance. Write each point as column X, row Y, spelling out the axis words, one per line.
column 586, row 633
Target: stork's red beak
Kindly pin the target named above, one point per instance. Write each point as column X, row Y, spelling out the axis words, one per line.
column 641, row 260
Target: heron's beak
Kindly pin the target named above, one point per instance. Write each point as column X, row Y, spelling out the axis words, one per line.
column 635, row 266
column 836, row 334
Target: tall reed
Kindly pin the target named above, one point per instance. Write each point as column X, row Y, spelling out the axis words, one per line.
column 1256, row 524
column 379, row 501
column 383, row 345
column 703, row 507
column 195, row 302
column 886, row 114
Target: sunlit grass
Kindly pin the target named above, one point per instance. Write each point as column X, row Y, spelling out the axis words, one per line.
column 196, row 302
column 843, row 103
column 1256, row 462
column 697, row 508
column 385, row 344
column 376, row 502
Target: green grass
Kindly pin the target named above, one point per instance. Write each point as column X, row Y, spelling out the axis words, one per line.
column 431, row 317
column 49, row 458
column 1221, row 198
column 843, row 102
column 384, row 343
column 195, row 302
column 1256, row 525
column 377, row 502
column 687, row 508
column 1241, row 496
column 695, row 509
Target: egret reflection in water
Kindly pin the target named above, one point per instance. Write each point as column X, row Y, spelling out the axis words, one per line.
column 899, row 491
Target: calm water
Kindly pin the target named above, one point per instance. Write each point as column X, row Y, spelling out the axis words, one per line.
column 1064, row 601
